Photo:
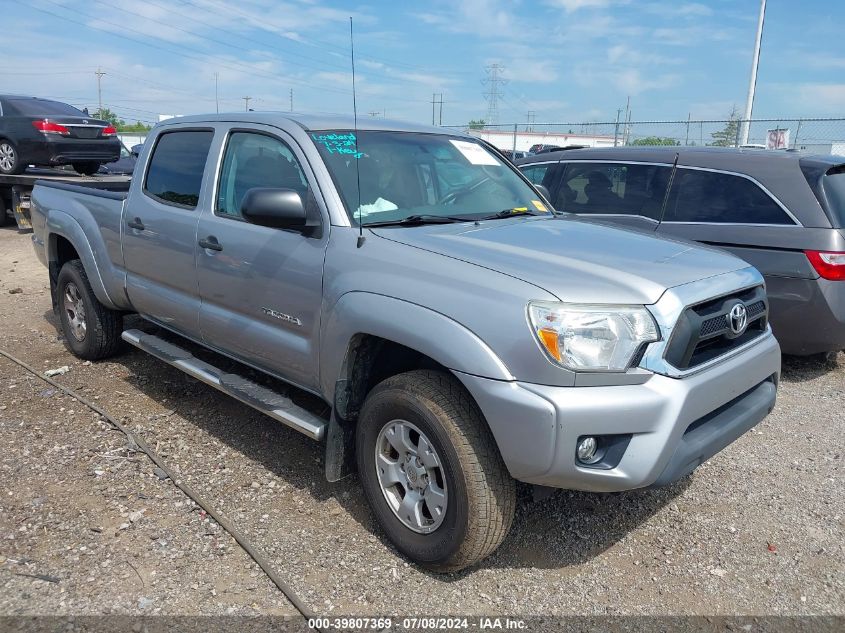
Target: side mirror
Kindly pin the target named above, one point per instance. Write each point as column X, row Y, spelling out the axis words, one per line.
column 278, row 208
column 135, row 150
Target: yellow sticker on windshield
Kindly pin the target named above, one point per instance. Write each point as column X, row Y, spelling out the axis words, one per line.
column 539, row 206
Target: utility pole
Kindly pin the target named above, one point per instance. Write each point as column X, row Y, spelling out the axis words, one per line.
column 689, row 116
column 440, row 119
column 752, row 84
column 291, row 99
column 495, row 82
column 530, row 126
column 616, row 128
column 216, row 98
column 433, row 95
column 246, row 103
column 99, row 74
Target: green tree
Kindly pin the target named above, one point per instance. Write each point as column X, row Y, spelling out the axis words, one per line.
column 134, row 127
column 727, row 136
column 477, row 124
column 107, row 115
column 655, row 140
column 120, row 124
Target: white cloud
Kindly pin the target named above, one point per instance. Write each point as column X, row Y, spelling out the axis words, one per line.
column 816, row 98
column 574, row 5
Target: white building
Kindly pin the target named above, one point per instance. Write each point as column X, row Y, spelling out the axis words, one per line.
column 524, row 140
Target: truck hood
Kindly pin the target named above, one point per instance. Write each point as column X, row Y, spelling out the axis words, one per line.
column 572, row 259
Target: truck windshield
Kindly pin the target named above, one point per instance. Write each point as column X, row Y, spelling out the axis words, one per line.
column 406, row 174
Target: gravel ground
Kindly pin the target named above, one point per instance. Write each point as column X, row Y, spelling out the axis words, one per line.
column 759, row 529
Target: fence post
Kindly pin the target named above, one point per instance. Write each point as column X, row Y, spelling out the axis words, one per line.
column 514, row 138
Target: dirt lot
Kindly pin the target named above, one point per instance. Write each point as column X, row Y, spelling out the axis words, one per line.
column 760, row 529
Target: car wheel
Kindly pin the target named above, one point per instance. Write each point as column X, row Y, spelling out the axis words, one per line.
column 89, row 168
column 10, row 162
column 432, row 472
column 91, row 330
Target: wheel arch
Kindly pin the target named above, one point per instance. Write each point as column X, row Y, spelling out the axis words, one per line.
column 66, row 241
column 369, row 337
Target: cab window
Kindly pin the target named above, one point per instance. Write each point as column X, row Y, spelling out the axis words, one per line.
column 256, row 160
column 174, row 175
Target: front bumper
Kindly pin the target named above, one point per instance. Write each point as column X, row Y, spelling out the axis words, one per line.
column 675, row 423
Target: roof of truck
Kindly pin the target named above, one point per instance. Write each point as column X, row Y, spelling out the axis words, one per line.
column 311, row 122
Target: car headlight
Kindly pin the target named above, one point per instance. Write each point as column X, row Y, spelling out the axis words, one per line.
column 592, row 337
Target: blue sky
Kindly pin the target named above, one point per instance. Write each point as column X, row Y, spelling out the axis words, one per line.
column 566, row 60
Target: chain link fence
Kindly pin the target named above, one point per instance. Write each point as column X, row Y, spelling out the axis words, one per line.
column 816, row 135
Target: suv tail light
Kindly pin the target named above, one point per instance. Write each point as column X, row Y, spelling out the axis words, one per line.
column 828, row 265
column 109, row 131
column 48, row 127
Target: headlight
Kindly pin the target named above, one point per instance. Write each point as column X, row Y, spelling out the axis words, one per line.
column 592, row 337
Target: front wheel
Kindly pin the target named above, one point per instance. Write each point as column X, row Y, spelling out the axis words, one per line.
column 89, row 168
column 10, row 160
column 432, row 472
column 91, row 330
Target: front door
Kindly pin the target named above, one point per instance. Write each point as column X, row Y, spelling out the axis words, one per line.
column 261, row 287
column 160, row 231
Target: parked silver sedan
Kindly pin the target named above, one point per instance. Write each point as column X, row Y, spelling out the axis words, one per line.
column 782, row 211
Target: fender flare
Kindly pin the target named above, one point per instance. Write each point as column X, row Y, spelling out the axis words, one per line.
column 417, row 327
column 62, row 224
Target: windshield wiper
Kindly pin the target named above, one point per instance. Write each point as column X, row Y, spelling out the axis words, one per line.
column 418, row 219
column 508, row 213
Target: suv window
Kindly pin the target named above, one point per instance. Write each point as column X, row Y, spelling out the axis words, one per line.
column 256, row 160
column 613, row 188
column 536, row 173
column 706, row 196
column 833, row 185
column 174, row 175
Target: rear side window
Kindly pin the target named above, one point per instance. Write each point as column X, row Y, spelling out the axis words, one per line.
column 613, row 188
column 41, row 107
column 833, row 185
column 174, row 175
column 705, row 196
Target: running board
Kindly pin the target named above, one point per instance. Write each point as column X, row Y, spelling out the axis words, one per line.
column 277, row 406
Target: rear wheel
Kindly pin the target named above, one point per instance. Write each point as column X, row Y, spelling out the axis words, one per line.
column 10, row 161
column 89, row 168
column 91, row 330
column 432, row 472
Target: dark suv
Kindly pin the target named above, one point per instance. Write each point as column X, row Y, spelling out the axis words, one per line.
column 40, row 132
column 783, row 212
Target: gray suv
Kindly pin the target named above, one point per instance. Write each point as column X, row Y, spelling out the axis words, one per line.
column 783, row 212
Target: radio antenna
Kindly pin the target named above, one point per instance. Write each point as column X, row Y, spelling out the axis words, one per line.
column 361, row 237
column 669, row 186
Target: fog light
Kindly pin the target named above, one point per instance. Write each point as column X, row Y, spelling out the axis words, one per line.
column 587, row 449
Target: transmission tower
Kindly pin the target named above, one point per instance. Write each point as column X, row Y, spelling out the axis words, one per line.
column 494, row 83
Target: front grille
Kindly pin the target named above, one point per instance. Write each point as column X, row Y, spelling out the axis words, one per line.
column 85, row 132
column 704, row 332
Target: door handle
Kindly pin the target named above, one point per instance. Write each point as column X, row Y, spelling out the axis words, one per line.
column 210, row 243
column 136, row 224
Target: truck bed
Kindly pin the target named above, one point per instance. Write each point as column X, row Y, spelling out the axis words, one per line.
column 15, row 191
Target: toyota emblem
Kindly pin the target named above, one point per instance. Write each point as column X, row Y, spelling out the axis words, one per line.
column 738, row 319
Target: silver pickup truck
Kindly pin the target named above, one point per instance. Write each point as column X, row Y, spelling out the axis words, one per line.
column 463, row 335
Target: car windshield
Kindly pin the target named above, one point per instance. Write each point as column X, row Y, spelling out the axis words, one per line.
column 408, row 174
column 44, row 107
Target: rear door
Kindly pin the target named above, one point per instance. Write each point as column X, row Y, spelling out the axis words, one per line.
column 261, row 287
column 735, row 212
column 622, row 193
column 160, row 229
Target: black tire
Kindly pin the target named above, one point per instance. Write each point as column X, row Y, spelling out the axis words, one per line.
column 88, row 168
column 481, row 494
column 10, row 160
column 101, row 336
